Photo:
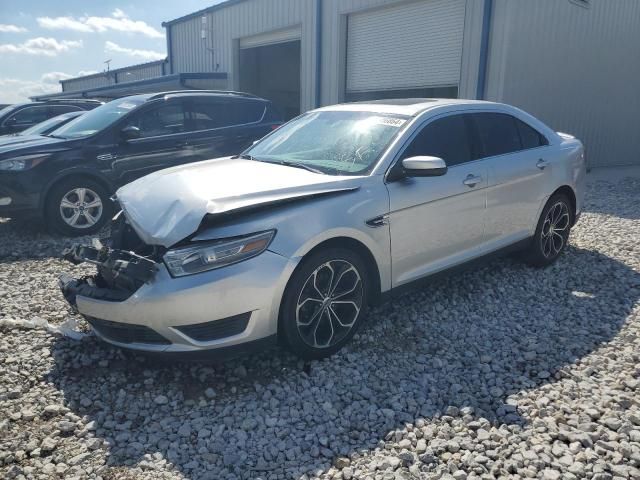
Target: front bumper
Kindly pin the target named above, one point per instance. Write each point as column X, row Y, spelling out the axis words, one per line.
column 16, row 199
column 228, row 307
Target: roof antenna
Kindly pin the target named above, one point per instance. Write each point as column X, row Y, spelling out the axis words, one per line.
column 108, row 62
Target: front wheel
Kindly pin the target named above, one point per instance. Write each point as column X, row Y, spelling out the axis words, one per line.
column 77, row 206
column 324, row 303
column 552, row 232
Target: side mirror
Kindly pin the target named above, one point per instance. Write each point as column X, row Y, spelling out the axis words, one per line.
column 424, row 166
column 130, row 132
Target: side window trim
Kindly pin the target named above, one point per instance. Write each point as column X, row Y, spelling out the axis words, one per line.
column 418, row 129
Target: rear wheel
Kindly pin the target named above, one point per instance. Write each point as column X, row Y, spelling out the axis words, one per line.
column 324, row 303
column 77, row 206
column 552, row 232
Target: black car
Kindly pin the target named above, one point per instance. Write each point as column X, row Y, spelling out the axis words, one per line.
column 42, row 128
column 68, row 176
column 19, row 117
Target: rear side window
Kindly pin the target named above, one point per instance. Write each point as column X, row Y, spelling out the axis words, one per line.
column 209, row 114
column 56, row 110
column 447, row 138
column 498, row 133
column 529, row 136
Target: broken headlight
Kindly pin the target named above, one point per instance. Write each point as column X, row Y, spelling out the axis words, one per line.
column 209, row 256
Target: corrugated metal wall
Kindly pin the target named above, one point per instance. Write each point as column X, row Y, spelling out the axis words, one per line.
column 128, row 74
column 576, row 68
column 334, row 35
column 224, row 27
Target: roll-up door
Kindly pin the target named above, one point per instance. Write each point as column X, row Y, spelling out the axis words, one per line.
column 409, row 47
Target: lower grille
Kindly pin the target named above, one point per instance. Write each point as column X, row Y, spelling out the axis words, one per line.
column 225, row 327
column 127, row 333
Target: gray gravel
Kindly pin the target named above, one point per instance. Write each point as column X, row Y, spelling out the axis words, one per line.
column 502, row 371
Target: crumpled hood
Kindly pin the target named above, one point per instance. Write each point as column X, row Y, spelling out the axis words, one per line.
column 169, row 205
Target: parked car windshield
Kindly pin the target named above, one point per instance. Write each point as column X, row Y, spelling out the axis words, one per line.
column 332, row 142
column 98, row 119
column 47, row 125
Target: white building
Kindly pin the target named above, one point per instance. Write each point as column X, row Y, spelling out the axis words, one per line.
column 573, row 63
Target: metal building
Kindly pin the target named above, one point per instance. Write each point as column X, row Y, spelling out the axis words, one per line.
column 573, row 63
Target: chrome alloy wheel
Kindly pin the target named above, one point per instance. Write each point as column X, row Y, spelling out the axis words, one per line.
column 81, row 208
column 555, row 229
column 329, row 304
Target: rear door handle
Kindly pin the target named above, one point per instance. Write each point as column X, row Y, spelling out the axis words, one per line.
column 542, row 164
column 472, row 180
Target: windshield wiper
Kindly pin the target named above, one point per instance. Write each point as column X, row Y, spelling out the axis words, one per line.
column 296, row 165
column 246, row 156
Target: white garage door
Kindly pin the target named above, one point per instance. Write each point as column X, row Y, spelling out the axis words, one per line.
column 416, row 45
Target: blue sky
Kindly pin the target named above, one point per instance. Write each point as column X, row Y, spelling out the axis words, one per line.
column 44, row 41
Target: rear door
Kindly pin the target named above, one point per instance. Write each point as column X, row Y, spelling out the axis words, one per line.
column 224, row 126
column 163, row 142
column 518, row 168
column 437, row 222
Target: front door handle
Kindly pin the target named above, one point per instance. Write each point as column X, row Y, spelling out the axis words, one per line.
column 472, row 180
column 542, row 164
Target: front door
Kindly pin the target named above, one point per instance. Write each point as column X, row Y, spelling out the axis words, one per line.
column 438, row 222
column 163, row 142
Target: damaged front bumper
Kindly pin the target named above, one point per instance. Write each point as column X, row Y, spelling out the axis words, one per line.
column 133, row 301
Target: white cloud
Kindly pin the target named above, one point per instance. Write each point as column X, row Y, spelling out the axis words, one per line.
column 14, row 90
column 7, row 28
column 83, row 73
column 64, row 23
column 118, row 21
column 148, row 55
column 54, row 77
column 49, row 47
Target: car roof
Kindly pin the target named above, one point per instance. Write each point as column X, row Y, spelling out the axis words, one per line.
column 402, row 106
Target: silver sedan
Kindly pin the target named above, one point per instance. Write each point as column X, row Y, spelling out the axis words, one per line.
column 293, row 239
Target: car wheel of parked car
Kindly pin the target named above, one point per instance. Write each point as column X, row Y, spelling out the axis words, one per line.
column 78, row 206
column 324, row 303
column 552, row 232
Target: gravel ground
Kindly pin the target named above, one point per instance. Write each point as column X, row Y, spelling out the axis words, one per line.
column 501, row 371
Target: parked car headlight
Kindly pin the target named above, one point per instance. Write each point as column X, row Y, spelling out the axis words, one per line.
column 24, row 162
column 209, row 256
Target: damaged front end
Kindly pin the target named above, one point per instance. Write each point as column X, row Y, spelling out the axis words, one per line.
column 122, row 267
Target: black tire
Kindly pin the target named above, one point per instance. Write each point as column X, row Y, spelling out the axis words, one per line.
column 548, row 242
column 85, row 224
column 299, row 338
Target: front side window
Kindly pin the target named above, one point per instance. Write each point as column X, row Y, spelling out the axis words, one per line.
column 162, row 120
column 29, row 116
column 333, row 142
column 446, row 138
column 99, row 118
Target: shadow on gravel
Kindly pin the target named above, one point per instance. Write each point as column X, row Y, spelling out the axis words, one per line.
column 472, row 341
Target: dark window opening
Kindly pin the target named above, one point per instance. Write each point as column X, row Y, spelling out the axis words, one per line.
column 447, row 138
